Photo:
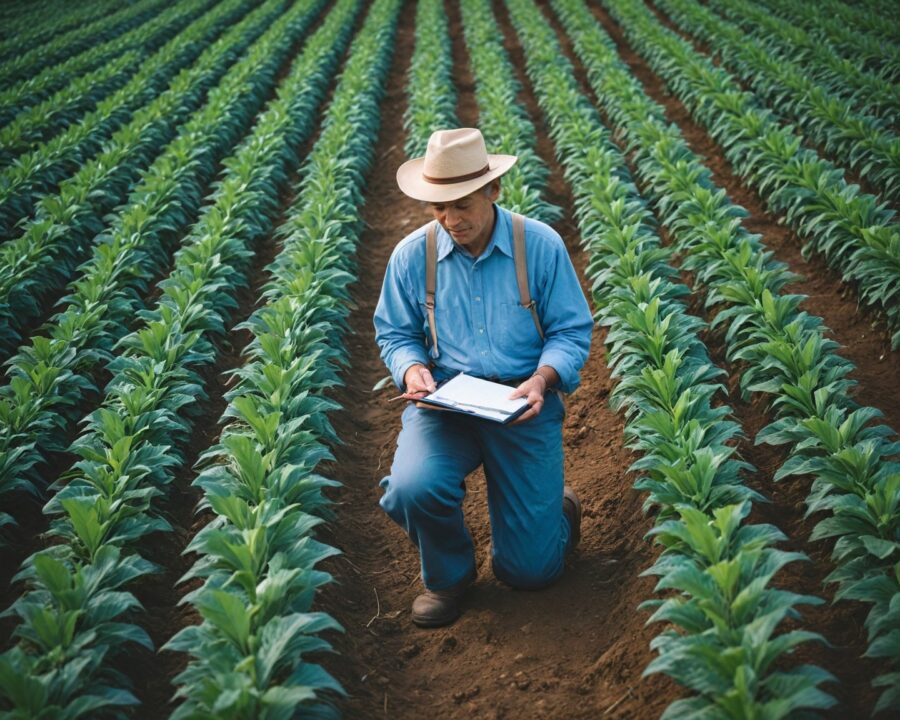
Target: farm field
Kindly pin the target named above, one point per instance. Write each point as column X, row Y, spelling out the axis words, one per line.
column 197, row 205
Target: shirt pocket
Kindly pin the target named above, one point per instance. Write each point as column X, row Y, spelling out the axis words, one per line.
column 517, row 332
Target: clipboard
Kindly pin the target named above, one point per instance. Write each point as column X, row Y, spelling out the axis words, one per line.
column 476, row 397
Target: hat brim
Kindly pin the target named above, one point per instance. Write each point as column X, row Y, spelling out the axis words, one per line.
column 411, row 182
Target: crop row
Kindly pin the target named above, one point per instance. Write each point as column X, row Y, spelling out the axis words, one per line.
column 716, row 568
column 50, row 377
column 868, row 52
column 29, row 34
column 865, row 92
column 60, row 235
column 18, row 17
column 501, row 118
column 850, row 229
column 41, row 170
column 431, row 94
column 128, row 449
column 862, row 19
column 258, row 557
column 786, row 354
column 36, row 58
column 41, row 121
column 856, row 140
column 18, row 97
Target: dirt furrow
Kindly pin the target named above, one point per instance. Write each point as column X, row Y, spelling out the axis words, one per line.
column 573, row 650
column 466, row 105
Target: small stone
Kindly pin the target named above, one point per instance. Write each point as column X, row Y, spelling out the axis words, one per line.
column 410, row 651
column 447, row 644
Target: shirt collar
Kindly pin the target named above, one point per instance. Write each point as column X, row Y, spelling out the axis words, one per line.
column 500, row 238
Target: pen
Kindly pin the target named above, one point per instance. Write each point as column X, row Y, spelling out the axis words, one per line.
column 402, row 397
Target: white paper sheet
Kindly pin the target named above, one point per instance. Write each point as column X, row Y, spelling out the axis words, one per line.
column 481, row 397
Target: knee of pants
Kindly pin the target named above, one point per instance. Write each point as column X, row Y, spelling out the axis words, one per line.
column 428, row 490
column 527, row 575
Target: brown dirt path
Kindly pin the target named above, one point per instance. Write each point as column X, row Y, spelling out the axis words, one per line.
column 574, row 650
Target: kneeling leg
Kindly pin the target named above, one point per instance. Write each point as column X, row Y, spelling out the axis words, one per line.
column 425, row 491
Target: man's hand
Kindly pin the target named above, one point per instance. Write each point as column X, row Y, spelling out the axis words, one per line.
column 532, row 390
column 418, row 382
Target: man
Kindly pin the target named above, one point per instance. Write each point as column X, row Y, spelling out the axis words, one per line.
column 475, row 321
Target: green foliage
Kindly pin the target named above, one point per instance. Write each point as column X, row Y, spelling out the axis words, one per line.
column 862, row 90
column 258, row 558
column 502, row 119
column 30, row 59
column 74, row 179
column 783, row 351
column 828, row 22
column 51, row 376
column 715, row 569
column 432, row 98
column 849, row 228
column 857, row 140
column 106, row 502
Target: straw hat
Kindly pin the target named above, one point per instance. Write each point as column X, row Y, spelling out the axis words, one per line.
column 456, row 163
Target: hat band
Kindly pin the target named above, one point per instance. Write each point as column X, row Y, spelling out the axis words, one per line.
column 457, row 179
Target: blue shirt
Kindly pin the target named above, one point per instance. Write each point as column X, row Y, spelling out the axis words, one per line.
column 482, row 328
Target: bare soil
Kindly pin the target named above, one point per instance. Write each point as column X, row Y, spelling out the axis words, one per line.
column 574, row 650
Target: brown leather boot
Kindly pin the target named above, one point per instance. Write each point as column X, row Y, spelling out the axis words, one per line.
column 572, row 510
column 435, row 608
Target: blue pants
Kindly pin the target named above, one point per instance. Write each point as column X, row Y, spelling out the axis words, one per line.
column 524, row 469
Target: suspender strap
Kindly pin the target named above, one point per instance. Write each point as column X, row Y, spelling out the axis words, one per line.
column 431, row 280
column 521, row 260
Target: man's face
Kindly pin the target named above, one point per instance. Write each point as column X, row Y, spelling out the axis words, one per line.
column 470, row 219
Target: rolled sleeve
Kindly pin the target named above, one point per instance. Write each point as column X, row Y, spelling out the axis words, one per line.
column 399, row 322
column 566, row 319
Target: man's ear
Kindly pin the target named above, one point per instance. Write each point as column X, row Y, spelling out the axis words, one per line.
column 493, row 189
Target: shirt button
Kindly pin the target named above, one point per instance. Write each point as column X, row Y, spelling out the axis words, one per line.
column 484, row 352
column 481, row 330
column 478, row 298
